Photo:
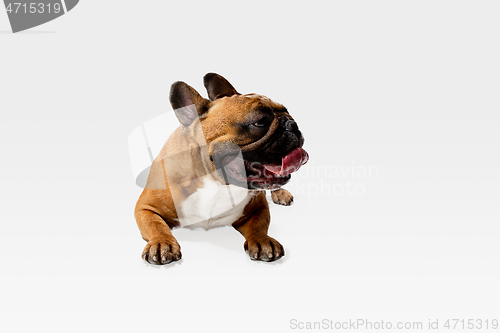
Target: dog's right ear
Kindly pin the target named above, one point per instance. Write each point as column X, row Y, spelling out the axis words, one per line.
column 187, row 103
column 218, row 87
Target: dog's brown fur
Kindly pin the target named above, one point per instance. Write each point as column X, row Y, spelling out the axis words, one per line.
column 155, row 211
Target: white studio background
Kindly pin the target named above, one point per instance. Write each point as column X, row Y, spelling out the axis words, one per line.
column 405, row 90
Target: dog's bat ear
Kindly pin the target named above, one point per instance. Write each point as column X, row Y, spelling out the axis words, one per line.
column 187, row 103
column 218, row 87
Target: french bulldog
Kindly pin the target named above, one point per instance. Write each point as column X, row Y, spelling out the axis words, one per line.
column 215, row 167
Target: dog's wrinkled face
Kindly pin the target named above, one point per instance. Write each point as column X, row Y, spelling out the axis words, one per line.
column 253, row 141
column 261, row 136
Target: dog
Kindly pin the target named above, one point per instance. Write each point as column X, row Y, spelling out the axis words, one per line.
column 215, row 167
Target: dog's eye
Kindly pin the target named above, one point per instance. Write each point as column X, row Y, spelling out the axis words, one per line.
column 262, row 122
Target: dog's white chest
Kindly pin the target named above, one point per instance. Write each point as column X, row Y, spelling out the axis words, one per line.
column 214, row 205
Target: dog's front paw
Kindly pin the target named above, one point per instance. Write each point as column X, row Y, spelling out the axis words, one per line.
column 265, row 249
column 282, row 197
column 161, row 251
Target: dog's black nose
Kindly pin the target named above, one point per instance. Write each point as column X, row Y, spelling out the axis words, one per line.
column 291, row 125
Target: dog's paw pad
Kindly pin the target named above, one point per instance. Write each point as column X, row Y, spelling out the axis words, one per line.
column 265, row 249
column 282, row 197
column 162, row 251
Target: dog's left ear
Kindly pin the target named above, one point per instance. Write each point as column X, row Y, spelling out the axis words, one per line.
column 187, row 103
column 218, row 87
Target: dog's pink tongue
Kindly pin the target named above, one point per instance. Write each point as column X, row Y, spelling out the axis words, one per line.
column 289, row 163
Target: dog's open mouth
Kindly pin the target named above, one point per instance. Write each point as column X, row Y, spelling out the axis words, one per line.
column 264, row 176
